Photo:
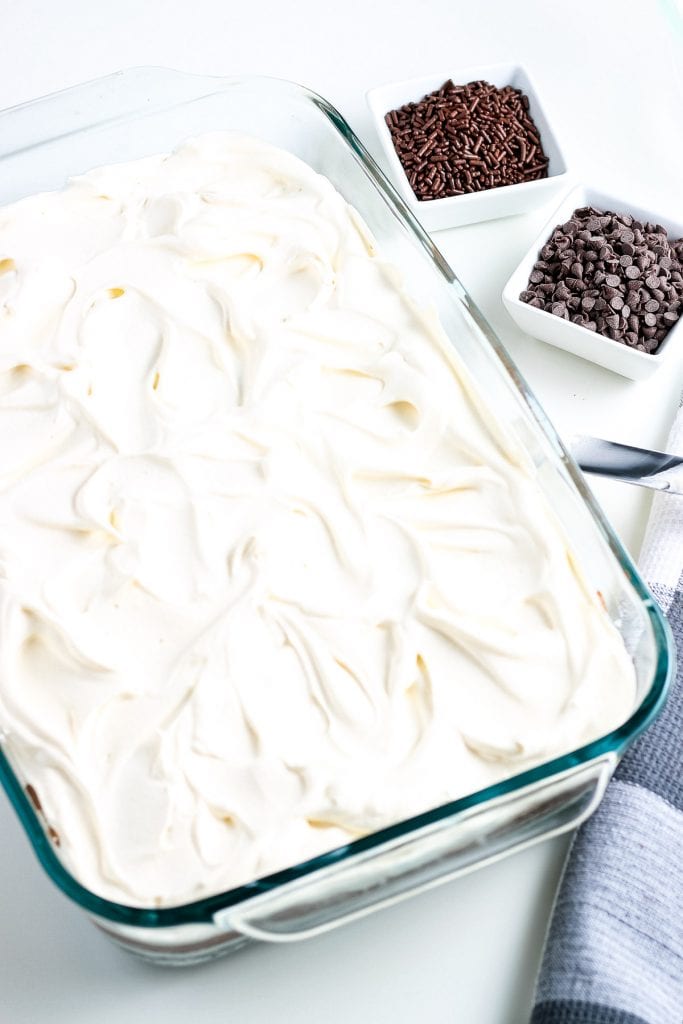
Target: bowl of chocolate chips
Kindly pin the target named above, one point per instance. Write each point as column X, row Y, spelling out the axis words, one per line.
column 604, row 280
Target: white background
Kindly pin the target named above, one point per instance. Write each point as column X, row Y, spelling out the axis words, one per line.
column 466, row 953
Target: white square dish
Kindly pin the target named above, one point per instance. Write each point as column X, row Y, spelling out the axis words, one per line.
column 455, row 211
column 613, row 355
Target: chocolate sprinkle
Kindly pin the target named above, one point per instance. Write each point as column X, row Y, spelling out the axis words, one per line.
column 33, row 797
column 467, row 138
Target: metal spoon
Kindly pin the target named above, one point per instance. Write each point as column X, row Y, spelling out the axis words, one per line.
column 657, row 470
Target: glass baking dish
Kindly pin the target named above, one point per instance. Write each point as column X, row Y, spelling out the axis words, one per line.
column 139, row 112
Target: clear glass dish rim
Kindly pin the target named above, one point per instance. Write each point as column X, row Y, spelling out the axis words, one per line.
column 201, row 911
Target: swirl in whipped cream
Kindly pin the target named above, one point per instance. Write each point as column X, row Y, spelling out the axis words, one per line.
column 269, row 578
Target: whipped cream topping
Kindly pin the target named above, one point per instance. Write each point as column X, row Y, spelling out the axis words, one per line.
column 269, row 577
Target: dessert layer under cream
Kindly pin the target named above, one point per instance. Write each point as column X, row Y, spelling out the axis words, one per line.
column 269, row 579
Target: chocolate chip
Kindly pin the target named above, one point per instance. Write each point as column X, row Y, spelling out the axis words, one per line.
column 611, row 274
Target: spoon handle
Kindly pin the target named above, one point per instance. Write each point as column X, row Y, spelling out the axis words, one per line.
column 657, row 470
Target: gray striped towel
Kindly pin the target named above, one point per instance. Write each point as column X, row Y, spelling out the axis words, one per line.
column 614, row 953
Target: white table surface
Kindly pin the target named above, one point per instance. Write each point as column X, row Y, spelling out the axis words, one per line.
column 468, row 951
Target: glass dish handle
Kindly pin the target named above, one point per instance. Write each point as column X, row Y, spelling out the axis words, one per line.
column 421, row 859
column 79, row 108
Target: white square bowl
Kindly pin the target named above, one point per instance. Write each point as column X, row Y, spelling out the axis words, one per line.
column 454, row 211
column 613, row 355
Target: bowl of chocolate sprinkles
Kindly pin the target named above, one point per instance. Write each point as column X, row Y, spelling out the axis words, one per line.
column 468, row 147
column 604, row 280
